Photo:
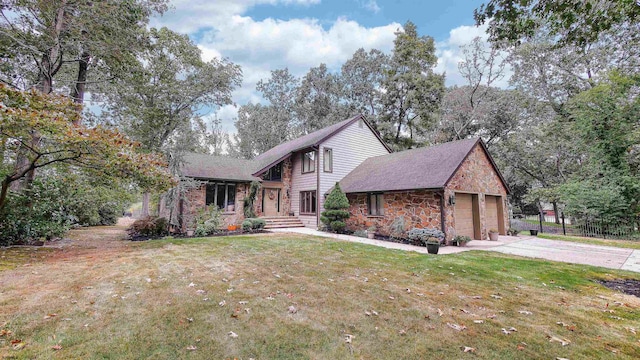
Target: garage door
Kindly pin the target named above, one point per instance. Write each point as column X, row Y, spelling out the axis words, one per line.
column 491, row 203
column 463, row 212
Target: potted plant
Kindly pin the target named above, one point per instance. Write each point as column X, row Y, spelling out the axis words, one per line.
column 493, row 234
column 371, row 232
column 232, row 227
column 461, row 240
column 433, row 245
column 533, row 232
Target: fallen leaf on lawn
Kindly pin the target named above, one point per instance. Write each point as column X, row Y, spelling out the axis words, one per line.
column 192, row 285
column 247, row 310
column 408, row 291
column 374, row 312
column 391, row 298
column 57, row 347
column 468, row 349
column 525, row 312
column 631, row 330
column 492, row 316
column 190, row 319
column 192, row 348
column 232, row 334
column 456, row 327
column 348, row 338
column 464, row 311
column 554, row 338
column 509, row 331
column 200, row 291
column 402, row 332
column 476, row 297
column 222, row 303
column 559, row 358
column 243, row 302
column 496, row 297
column 367, row 313
column 440, row 312
column 5, row 332
column 292, row 309
column 478, row 321
column 48, row 316
column 521, row 346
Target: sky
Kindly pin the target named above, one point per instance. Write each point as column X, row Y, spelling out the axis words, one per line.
column 265, row 35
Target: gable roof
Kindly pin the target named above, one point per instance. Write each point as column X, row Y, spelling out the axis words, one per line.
column 422, row 168
column 204, row 166
column 274, row 155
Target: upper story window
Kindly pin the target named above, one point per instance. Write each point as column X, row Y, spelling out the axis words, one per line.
column 274, row 173
column 309, row 162
column 328, row 160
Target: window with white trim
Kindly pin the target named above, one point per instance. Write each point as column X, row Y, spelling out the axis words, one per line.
column 309, row 162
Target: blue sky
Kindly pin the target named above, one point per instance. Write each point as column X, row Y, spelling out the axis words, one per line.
column 264, row 35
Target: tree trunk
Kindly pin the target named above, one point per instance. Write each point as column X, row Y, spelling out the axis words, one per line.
column 77, row 92
column 145, row 204
column 555, row 211
column 4, row 192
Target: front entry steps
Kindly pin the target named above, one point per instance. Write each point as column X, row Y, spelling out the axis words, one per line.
column 280, row 222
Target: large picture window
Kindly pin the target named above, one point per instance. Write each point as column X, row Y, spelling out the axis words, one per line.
column 308, row 202
column 221, row 194
column 328, row 160
column 309, row 162
column 376, row 204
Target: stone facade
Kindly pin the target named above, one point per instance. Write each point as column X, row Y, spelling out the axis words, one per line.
column 285, row 190
column 419, row 208
column 476, row 175
column 195, row 200
column 422, row 208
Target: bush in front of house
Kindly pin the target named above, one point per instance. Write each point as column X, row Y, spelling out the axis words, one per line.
column 148, row 227
column 207, row 221
column 256, row 223
column 336, row 210
column 246, row 225
column 426, row 235
column 360, row 233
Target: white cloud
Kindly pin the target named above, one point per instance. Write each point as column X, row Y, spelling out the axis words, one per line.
column 372, row 6
column 450, row 54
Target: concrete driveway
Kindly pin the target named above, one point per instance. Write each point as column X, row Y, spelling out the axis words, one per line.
column 529, row 246
column 576, row 253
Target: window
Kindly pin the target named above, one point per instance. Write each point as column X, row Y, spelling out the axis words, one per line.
column 309, row 162
column 328, row 160
column 274, row 173
column 220, row 194
column 376, row 204
column 308, row 202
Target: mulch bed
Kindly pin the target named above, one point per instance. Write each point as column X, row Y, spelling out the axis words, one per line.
column 627, row 286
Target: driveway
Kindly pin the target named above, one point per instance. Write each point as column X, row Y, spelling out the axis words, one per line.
column 576, row 253
column 534, row 247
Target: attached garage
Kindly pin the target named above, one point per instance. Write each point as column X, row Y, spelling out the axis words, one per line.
column 467, row 217
column 493, row 213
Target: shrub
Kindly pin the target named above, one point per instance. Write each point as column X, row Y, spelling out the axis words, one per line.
column 207, row 221
column 149, row 227
column 336, row 212
column 246, row 225
column 250, row 199
column 461, row 239
column 513, row 232
column 426, row 235
column 257, row 223
column 397, row 228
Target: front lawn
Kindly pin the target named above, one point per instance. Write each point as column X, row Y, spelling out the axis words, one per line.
column 279, row 296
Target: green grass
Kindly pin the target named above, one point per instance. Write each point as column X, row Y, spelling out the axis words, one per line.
column 546, row 223
column 121, row 300
column 629, row 244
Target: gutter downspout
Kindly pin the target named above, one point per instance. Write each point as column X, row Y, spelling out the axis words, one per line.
column 317, row 149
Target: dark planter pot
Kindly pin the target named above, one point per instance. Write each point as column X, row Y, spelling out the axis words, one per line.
column 534, row 232
column 433, row 248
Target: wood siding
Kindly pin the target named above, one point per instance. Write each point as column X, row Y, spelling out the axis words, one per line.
column 302, row 182
column 351, row 147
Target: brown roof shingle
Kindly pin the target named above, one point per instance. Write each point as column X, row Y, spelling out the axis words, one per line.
column 218, row 167
column 421, row 168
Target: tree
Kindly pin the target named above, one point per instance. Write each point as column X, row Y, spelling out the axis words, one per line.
column 260, row 127
column 319, row 100
column 363, row 77
column 336, row 210
column 99, row 151
column 576, row 22
column 412, row 90
column 165, row 90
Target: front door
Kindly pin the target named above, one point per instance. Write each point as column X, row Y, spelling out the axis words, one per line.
column 271, row 202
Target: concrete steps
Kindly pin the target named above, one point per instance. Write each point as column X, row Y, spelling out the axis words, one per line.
column 280, row 222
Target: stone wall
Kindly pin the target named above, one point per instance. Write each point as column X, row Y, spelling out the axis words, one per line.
column 195, row 200
column 475, row 175
column 419, row 208
column 285, row 190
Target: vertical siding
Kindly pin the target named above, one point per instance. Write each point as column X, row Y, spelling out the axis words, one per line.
column 302, row 182
column 351, row 147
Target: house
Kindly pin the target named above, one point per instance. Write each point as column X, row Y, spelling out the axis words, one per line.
column 455, row 187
